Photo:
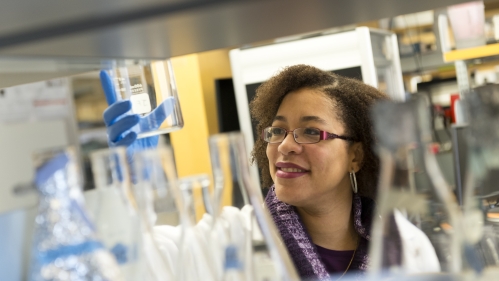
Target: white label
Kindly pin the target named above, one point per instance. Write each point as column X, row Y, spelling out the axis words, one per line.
column 35, row 101
column 140, row 103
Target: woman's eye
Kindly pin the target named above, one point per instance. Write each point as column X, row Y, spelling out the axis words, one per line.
column 277, row 131
column 309, row 131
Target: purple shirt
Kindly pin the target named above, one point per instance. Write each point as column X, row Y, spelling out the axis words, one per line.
column 335, row 261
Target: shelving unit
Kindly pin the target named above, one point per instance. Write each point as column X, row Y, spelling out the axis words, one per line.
column 472, row 53
column 461, row 58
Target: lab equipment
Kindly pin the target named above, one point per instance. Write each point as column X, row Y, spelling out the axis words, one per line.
column 155, row 191
column 152, row 93
column 196, row 228
column 113, row 208
column 481, row 193
column 66, row 246
column 222, row 233
column 253, row 251
column 416, row 228
column 124, row 127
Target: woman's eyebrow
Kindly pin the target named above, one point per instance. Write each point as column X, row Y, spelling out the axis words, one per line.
column 280, row 118
column 313, row 118
column 302, row 119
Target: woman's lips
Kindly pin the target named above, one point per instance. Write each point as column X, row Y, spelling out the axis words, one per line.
column 289, row 170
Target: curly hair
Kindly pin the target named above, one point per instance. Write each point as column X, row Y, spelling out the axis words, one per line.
column 352, row 99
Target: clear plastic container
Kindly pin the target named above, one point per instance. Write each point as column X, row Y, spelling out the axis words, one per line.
column 152, row 91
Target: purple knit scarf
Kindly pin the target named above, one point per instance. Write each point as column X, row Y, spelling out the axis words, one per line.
column 299, row 244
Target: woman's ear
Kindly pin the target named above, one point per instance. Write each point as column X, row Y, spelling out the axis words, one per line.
column 356, row 156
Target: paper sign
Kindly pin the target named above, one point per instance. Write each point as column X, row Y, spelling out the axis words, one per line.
column 35, row 101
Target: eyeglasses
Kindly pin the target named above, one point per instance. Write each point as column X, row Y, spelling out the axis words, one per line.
column 301, row 135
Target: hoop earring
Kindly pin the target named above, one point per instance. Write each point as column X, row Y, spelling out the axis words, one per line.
column 353, row 181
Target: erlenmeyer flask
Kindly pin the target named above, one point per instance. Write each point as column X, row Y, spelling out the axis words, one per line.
column 157, row 194
column 66, row 246
column 408, row 215
column 196, row 196
column 481, row 192
column 244, row 254
column 114, row 211
column 211, row 231
column 154, row 178
column 196, row 228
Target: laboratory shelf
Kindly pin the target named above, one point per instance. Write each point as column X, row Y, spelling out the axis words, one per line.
column 472, row 53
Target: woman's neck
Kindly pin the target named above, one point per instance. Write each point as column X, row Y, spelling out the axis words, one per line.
column 331, row 225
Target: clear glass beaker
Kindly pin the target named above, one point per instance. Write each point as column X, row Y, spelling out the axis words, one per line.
column 66, row 246
column 152, row 92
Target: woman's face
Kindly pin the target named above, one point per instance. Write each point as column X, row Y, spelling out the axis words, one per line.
column 306, row 174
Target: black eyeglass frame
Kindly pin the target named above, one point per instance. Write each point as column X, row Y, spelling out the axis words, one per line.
column 323, row 135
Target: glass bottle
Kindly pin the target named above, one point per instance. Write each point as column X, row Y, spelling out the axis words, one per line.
column 66, row 246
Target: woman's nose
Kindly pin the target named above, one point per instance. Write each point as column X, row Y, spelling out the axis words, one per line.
column 289, row 145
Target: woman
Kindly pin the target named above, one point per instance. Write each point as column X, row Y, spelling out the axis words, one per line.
column 316, row 155
column 322, row 178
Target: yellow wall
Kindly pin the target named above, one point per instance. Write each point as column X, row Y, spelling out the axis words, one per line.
column 195, row 77
column 190, row 144
column 213, row 65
